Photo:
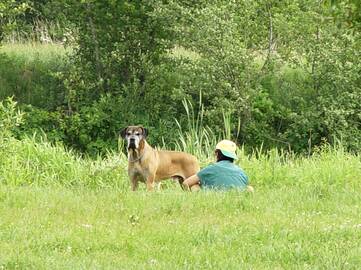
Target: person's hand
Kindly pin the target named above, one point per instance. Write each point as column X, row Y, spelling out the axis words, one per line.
column 250, row 189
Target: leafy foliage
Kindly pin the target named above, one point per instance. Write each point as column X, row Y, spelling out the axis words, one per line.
column 10, row 118
column 9, row 9
column 286, row 73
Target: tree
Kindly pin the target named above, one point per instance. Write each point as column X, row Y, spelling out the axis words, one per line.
column 9, row 10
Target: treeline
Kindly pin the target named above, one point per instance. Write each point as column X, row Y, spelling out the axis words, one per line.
column 288, row 73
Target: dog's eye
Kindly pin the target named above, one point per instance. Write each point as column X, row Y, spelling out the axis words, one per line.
column 129, row 133
column 137, row 133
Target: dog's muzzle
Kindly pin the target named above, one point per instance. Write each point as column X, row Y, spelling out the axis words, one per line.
column 131, row 144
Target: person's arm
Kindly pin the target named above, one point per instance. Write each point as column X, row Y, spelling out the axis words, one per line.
column 192, row 183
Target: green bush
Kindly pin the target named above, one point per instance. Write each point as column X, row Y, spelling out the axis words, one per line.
column 40, row 123
column 10, row 118
column 29, row 73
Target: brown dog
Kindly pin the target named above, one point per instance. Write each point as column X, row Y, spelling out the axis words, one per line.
column 150, row 165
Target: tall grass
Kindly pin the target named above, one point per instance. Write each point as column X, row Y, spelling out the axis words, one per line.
column 198, row 139
column 39, row 163
column 29, row 162
column 39, row 31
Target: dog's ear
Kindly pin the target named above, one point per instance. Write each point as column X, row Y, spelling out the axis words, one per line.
column 123, row 132
column 145, row 132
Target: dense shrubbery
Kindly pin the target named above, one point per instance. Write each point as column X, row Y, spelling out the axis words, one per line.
column 287, row 74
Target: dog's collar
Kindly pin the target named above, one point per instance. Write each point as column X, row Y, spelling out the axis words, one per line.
column 137, row 159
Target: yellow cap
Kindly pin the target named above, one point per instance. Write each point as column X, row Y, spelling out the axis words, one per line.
column 228, row 148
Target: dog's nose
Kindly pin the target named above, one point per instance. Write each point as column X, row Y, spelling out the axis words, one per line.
column 132, row 139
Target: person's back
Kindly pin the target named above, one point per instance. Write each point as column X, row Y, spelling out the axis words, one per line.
column 223, row 175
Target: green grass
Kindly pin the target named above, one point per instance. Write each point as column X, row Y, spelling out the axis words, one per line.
column 60, row 211
column 289, row 228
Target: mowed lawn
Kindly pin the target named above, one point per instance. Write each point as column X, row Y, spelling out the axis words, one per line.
column 290, row 227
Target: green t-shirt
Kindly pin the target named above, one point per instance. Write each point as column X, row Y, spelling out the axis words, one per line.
column 222, row 175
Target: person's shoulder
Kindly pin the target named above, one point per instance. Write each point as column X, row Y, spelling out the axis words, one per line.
column 207, row 175
column 207, row 169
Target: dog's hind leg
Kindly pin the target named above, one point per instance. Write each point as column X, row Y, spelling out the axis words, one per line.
column 180, row 181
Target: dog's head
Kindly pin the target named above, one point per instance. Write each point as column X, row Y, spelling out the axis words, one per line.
column 134, row 136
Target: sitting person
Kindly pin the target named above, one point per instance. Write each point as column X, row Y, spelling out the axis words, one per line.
column 221, row 175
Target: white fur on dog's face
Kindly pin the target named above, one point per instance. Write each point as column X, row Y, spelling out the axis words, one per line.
column 133, row 140
column 133, row 136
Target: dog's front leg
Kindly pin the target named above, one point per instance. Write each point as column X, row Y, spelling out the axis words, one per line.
column 134, row 181
column 150, row 182
column 134, row 184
